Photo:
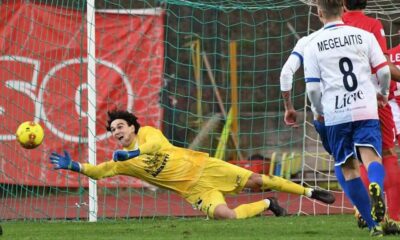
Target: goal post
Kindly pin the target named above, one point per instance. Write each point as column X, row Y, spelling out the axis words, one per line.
column 91, row 100
column 54, row 71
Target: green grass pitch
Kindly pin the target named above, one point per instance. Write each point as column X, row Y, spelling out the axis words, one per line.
column 268, row 227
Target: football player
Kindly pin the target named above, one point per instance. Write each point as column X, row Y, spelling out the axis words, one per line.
column 337, row 69
column 354, row 16
column 200, row 179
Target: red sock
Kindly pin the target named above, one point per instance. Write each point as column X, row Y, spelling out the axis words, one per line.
column 364, row 176
column 392, row 186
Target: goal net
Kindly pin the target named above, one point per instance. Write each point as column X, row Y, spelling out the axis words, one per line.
column 205, row 72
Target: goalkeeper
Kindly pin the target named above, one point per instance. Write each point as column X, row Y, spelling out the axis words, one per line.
column 202, row 180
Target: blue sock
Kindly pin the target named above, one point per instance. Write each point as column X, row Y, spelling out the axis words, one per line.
column 342, row 181
column 376, row 173
column 360, row 198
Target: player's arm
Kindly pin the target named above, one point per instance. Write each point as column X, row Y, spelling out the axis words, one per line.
column 100, row 171
column 290, row 117
column 153, row 139
column 290, row 67
column 394, row 71
column 314, row 95
column 312, row 77
column 380, row 67
column 383, row 75
column 103, row 170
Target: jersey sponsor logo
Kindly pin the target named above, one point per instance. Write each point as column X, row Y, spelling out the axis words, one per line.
column 238, row 180
column 339, row 42
column 155, row 163
column 348, row 99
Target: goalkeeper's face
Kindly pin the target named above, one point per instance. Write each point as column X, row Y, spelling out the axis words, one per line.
column 122, row 132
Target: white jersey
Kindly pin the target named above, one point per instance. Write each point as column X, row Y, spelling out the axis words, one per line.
column 294, row 62
column 341, row 58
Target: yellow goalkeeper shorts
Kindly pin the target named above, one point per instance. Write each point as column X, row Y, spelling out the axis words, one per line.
column 218, row 178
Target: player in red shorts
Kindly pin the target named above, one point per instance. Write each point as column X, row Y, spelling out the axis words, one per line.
column 354, row 16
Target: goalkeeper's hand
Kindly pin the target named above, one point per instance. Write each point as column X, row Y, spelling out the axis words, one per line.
column 64, row 162
column 122, row 155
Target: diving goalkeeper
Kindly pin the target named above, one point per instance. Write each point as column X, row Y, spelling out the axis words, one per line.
column 202, row 180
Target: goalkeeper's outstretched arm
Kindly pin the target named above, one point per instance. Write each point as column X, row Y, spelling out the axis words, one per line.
column 103, row 170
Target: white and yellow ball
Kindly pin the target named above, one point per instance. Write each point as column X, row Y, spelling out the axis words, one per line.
column 30, row 134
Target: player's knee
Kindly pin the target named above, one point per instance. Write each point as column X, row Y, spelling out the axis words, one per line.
column 225, row 215
column 224, row 212
column 254, row 181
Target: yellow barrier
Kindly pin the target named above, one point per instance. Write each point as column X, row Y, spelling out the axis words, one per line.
column 284, row 164
column 220, row 151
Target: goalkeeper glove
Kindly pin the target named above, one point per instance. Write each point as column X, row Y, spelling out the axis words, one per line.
column 64, row 162
column 321, row 129
column 122, row 155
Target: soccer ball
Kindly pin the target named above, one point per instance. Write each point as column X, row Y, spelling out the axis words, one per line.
column 30, row 134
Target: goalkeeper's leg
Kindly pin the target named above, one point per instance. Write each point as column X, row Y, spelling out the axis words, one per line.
column 283, row 185
column 249, row 210
column 214, row 205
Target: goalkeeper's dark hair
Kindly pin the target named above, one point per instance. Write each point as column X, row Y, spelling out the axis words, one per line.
column 331, row 8
column 130, row 118
column 355, row 4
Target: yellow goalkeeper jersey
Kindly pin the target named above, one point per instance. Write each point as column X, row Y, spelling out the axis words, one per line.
column 159, row 163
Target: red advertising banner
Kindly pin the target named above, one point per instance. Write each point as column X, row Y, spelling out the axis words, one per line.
column 43, row 77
